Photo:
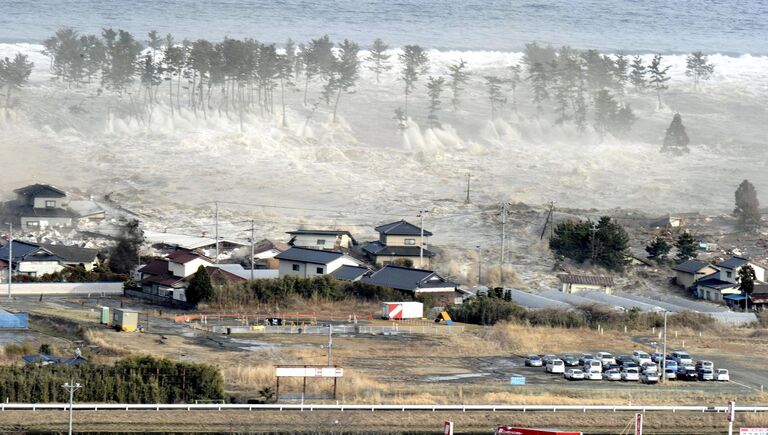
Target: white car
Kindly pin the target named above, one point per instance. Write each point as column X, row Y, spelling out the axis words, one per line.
column 612, row 375
column 605, row 358
column 649, row 378
column 682, row 358
column 704, row 364
column 670, row 373
column 649, row 368
column 593, row 376
column 630, row 374
column 722, row 375
column 593, row 365
column 556, row 366
column 573, row 375
column 641, row 357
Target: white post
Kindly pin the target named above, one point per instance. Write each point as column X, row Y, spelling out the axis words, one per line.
column 731, row 416
column 252, row 248
column 216, row 231
column 479, row 265
column 664, row 352
column 71, row 388
column 330, row 343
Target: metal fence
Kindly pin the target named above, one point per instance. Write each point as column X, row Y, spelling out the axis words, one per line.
column 436, row 329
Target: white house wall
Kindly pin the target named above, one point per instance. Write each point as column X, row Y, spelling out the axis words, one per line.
column 39, row 268
column 188, row 268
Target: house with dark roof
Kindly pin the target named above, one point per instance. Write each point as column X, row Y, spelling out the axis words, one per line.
column 729, row 269
column 689, row 272
column 309, row 263
column 571, row 283
column 333, row 240
column 759, row 296
column 712, row 288
column 31, row 259
column 351, row 273
column 169, row 277
column 414, row 281
column 74, row 255
column 39, row 206
column 400, row 243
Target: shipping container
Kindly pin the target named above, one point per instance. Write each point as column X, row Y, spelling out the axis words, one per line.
column 402, row 310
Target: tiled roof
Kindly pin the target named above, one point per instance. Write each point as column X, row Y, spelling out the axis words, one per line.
column 349, row 273
column 72, row 254
column 586, row 279
column 734, row 262
column 690, row 266
column 380, row 249
column 44, row 190
column 401, row 228
column 183, row 256
column 306, row 255
column 155, row 267
column 406, row 278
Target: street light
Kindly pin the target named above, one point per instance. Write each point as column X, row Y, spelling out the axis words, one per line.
column 71, row 388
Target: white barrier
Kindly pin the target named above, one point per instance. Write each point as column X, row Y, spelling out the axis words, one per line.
column 66, row 288
column 373, row 408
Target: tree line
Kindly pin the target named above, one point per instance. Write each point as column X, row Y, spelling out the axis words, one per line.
column 234, row 77
column 130, row 380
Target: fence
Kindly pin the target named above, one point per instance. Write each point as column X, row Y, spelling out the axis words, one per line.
column 66, row 288
column 337, row 329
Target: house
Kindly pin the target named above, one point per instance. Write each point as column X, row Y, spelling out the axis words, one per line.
column 39, row 206
column 264, row 252
column 167, row 277
column 351, row 273
column 333, row 240
column 713, row 288
column 399, row 244
column 239, row 271
column 759, row 296
column 207, row 245
column 415, row 281
column 74, row 255
column 309, row 263
column 31, row 259
column 690, row 271
column 570, row 283
column 668, row 221
column 729, row 269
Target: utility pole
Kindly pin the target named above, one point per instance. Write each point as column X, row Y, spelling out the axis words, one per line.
column 421, row 241
column 330, row 343
column 551, row 219
column 216, row 232
column 71, row 388
column 593, row 230
column 469, row 177
column 503, row 241
column 252, row 247
column 479, row 265
column 10, row 258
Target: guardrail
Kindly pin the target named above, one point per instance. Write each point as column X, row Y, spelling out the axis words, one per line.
column 372, row 408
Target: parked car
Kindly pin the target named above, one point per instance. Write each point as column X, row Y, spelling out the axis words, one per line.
column 649, row 367
column 593, row 376
column 630, row 374
column 570, row 360
column 574, row 374
column 611, row 367
column 547, row 358
column 671, row 364
column 649, row 378
column 593, row 365
column 657, row 357
column 630, row 365
column 722, row 375
column 681, row 357
column 556, row 366
column 585, row 357
column 704, row 364
column 684, row 374
column 612, row 375
column 706, row 375
column 623, row 359
column 605, row 358
column 534, row 361
column 670, row 374
column 640, row 357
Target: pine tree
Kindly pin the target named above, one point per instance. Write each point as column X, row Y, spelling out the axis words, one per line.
column 686, row 247
column 345, row 71
column 285, row 71
column 747, row 208
column 697, row 66
column 620, row 75
column 638, row 73
column 515, row 78
column 200, row 288
column 746, row 279
column 676, row 139
column 434, row 90
column 379, row 58
column 495, row 96
column 14, row 74
column 659, row 77
column 605, row 112
column 458, row 78
column 534, row 54
column 658, row 250
column 623, row 121
column 414, row 63
column 539, row 81
column 580, row 107
column 120, row 66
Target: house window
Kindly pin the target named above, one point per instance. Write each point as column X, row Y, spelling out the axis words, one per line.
column 410, row 241
column 50, row 204
column 295, row 267
column 728, row 274
column 33, row 224
column 319, row 270
column 320, row 242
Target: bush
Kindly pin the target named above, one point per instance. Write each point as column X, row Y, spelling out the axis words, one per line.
column 486, row 310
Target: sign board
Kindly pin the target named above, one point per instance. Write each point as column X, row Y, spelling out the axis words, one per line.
column 309, row 372
column 638, row 424
column 448, row 428
column 731, row 414
column 517, row 380
column 753, row 431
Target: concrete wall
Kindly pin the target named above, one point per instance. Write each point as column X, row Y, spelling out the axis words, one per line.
column 576, row 288
column 65, row 288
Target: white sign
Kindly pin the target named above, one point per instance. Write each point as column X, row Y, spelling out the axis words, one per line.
column 448, row 429
column 310, row 372
column 753, row 431
column 731, row 411
column 638, row 424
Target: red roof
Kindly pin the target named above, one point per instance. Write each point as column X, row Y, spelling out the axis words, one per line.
column 3, row 264
column 215, row 272
column 155, row 267
column 164, row 280
column 183, row 256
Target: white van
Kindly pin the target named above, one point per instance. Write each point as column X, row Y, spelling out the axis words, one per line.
column 593, row 365
column 556, row 366
column 682, row 358
column 606, row 358
column 640, row 357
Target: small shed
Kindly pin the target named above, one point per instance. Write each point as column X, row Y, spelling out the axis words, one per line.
column 125, row 320
column 570, row 283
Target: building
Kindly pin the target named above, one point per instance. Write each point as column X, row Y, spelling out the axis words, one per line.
column 309, row 263
column 399, row 244
column 31, row 259
column 713, row 288
column 729, row 269
column 351, row 273
column 415, row 281
column 167, row 277
column 333, row 240
column 40, row 206
column 689, row 272
column 74, row 255
column 125, row 320
column 570, row 283
column 241, row 272
column 759, row 297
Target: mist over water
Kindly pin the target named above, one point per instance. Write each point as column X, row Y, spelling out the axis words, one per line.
column 725, row 26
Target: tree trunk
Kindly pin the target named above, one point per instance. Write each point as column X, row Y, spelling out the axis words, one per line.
column 336, row 105
column 282, row 98
column 170, row 93
column 306, row 88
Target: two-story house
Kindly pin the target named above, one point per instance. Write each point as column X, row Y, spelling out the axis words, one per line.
column 41, row 205
column 332, row 240
column 725, row 281
column 167, row 277
column 309, row 263
column 399, row 243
